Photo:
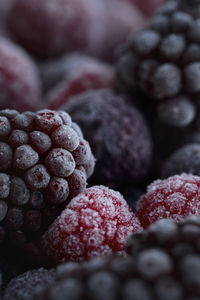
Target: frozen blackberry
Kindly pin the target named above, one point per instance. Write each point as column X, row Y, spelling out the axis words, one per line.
column 118, row 135
column 96, row 222
column 19, row 78
column 99, row 279
column 24, row 286
column 185, row 159
column 44, row 162
column 164, row 62
column 163, row 264
column 175, row 197
column 168, row 256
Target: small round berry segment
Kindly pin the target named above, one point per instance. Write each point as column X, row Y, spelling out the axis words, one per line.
column 44, row 162
column 96, row 222
column 175, row 197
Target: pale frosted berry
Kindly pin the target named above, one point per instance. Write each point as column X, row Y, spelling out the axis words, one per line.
column 175, row 197
column 96, row 222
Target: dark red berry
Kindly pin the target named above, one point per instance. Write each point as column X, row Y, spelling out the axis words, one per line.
column 96, row 222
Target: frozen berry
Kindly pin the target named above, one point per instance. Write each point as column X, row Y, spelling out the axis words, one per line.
column 25, row 285
column 118, row 135
column 175, row 197
column 163, row 264
column 48, row 28
column 81, row 74
column 122, row 19
column 178, row 243
column 44, row 162
column 72, row 66
column 185, row 159
column 19, row 78
column 96, row 222
column 163, row 62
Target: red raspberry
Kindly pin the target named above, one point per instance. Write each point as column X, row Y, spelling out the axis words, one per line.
column 82, row 73
column 44, row 162
column 19, row 78
column 96, row 222
column 175, row 197
column 52, row 27
column 122, row 18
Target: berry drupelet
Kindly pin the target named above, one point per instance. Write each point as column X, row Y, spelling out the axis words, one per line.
column 175, row 197
column 185, row 159
column 118, row 134
column 44, row 162
column 164, row 62
column 96, row 222
column 163, row 264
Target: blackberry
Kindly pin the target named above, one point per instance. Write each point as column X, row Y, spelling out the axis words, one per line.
column 168, row 256
column 118, row 134
column 185, row 159
column 163, row 264
column 24, row 286
column 164, row 62
column 44, row 162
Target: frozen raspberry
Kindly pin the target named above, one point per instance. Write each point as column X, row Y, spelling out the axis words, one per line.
column 163, row 62
column 24, row 286
column 19, row 78
column 96, row 222
column 168, row 257
column 82, row 73
column 122, row 19
column 185, row 159
column 48, row 28
column 175, row 197
column 117, row 133
column 70, row 67
column 44, row 162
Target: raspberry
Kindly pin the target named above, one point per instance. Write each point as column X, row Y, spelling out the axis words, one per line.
column 163, row 62
column 117, row 133
column 19, row 84
column 77, row 71
column 44, row 162
column 96, row 222
column 81, row 74
column 185, row 159
column 24, row 286
column 121, row 19
column 49, row 28
column 175, row 197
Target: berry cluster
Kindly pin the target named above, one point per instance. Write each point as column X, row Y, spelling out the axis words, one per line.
column 163, row 61
column 44, row 162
